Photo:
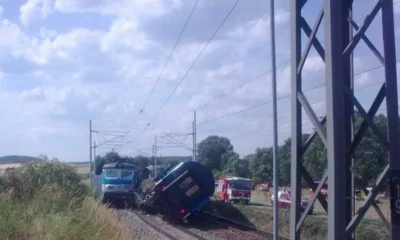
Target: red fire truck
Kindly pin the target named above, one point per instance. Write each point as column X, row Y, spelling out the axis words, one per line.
column 234, row 189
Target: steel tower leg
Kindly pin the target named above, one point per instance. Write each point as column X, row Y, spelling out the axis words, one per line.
column 299, row 101
column 338, row 108
column 340, row 101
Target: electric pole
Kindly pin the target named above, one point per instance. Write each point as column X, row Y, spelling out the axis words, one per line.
column 90, row 153
column 94, row 159
column 111, row 142
column 194, row 143
column 155, row 156
column 275, row 122
column 194, row 137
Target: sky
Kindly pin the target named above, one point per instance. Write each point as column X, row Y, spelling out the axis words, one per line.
column 65, row 62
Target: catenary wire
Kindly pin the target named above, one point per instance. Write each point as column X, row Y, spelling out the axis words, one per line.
column 232, row 90
column 169, row 57
column 189, row 69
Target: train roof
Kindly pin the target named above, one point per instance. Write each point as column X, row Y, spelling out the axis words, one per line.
column 230, row 178
column 123, row 165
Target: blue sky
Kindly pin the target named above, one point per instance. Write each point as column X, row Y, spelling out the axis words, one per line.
column 63, row 62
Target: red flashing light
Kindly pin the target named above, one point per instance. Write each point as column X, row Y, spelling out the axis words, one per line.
column 183, row 211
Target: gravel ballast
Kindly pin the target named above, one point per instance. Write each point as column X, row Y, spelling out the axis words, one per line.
column 153, row 227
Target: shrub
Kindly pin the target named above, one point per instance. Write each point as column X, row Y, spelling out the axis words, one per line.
column 48, row 200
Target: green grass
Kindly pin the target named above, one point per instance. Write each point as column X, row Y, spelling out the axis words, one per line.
column 49, row 201
column 314, row 227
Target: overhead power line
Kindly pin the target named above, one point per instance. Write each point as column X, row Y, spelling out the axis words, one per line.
column 169, row 57
column 241, row 86
column 283, row 97
column 232, row 90
column 189, row 69
column 263, row 74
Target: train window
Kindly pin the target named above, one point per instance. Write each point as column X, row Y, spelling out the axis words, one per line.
column 240, row 185
column 192, row 190
column 185, row 183
column 111, row 173
column 125, row 174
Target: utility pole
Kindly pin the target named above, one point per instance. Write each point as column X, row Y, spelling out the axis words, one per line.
column 194, row 137
column 94, row 154
column 194, row 143
column 155, row 156
column 90, row 153
column 275, row 122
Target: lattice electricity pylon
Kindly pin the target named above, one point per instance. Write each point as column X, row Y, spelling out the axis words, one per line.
column 340, row 101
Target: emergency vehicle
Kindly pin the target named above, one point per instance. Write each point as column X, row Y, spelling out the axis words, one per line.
column 324, row 189
column 234, row 189
column 284, row 201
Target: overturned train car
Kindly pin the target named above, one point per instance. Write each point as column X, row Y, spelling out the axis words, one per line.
column 180, row 192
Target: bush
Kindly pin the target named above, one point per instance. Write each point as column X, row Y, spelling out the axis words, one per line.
column 47, row 200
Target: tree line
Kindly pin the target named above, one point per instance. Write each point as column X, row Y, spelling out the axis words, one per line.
column 218, row 154
column 140, row 160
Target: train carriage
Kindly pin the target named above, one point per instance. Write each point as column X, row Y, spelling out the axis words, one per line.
column 120, row 183
column 182, row 190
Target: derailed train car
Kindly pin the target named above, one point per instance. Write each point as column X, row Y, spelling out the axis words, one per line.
column 121, row 183
column 180, row 192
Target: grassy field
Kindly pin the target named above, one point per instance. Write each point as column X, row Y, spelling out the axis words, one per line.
column 263, row 198
column 49, row 201
column 80, row 168
column 314, row 227
column 3, row 167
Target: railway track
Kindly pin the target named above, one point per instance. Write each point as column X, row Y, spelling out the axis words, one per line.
column 243, row 231
column 170, row 231
column 208, row 226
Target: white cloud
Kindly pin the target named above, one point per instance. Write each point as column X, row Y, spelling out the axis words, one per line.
column 124, row 34
column 259, row 28
column 47, row 33
column 314, row 64
column 35, row 94
column 15, row 37
column 363, row 78
column 119, row 8
column 102, row 64
column 34, row 10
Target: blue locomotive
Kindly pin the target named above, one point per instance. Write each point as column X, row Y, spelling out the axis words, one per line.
column 180, row 191
column 120, row 183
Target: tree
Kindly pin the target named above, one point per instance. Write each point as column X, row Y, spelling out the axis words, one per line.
column 234, row 165
column 315, row 159
column 371, row 155
column 261, row 165
column 284, row 162
column 142, row 161
column 111, row 157
column 284, row 155
column 168, row 163
column 211, row 149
